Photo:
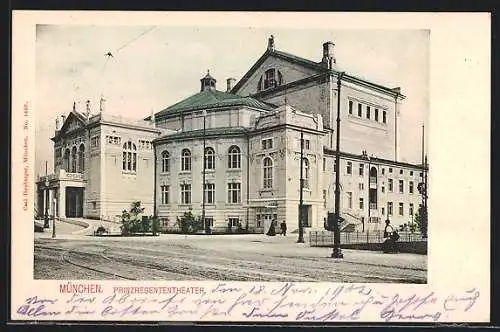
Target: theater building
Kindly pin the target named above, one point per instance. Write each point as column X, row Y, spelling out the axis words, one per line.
column 234, row 155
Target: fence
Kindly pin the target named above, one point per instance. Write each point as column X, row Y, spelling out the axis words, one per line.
column 325, row 238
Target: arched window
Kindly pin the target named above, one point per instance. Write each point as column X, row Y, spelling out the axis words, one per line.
column 234, row 157
column 66, row 160
column 81, row 158
column 165, row 161
column 268, row 172
column 209, row 158
column 186, row 160
column 74, row 157
column 129, row 157
column 305, row 174
column 271, row 79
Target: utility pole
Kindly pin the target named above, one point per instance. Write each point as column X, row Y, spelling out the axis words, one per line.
column 46, row 198
column 54, row 218
column 301, row 189
column 207, row 227
column 337, row 252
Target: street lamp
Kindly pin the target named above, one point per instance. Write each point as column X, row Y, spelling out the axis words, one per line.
column 205, row 225
column 337, row 252
column 46, row 198
column 54, row 218
column 301, row 190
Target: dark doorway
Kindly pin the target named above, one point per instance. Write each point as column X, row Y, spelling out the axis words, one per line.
column 74, row 202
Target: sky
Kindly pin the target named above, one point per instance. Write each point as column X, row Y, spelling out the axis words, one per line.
column 156, row 66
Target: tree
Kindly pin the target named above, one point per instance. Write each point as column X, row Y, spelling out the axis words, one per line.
column 189, row 223
column 131, row 220
column 421, row 220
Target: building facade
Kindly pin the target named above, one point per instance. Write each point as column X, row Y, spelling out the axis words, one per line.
column 101, row 164
column 234, row 156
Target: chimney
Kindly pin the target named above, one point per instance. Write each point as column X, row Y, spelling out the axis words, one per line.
column 63, row 117
column 270, row 44
column 329, row 60
column 230, row 84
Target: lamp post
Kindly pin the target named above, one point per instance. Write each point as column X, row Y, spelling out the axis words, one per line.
column 337, row 252
column 54, row 218
column 301, row 190
column 46, row 199
column 205, row 225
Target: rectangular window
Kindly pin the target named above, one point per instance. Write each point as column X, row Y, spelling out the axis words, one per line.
column 411, row 173
column 164, row 222
column 421, row 174
column 384, row 117
column 411, row 209
column 210, row 193
column 383, row 171
column 361, row 203
column 383, row 211
column 367, row 112
column 185, row 193
column 324, row 198
column 349, row 167
column 389, row 208
column 307, row 144
column 234, row 192
column 361, row 169
column 165, row 194
column 324, row 164
column 349, row 200
column 376, row 114
column 361, row 186
column 94, row 205
column 401, row 171
column 350, row 106
column 401, row 186
column 410, row 187
column 334, row 165
column 401, row 209
column 383, row 189
column 390, row 185
column 267, row 143
column 234, row 222
column 360, row 111
column 390, row 169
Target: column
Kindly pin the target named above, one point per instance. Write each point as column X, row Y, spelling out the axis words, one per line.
column 61, row 198
column 45, row 201
column 51, row 196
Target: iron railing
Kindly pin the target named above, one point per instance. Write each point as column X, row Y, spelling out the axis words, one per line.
column 325, row 238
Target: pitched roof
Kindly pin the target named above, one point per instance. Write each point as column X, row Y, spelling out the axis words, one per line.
column 313, row 65
column 213, row 99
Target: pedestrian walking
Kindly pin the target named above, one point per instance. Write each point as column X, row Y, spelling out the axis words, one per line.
column 272, row 230
column 283, row 228
column 391, row 237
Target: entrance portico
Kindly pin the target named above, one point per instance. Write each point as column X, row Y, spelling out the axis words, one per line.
column 67, row 188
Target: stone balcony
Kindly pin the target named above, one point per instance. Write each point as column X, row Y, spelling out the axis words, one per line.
column 61, row 175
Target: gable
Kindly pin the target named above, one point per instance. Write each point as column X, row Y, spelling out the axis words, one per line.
column 72, row 123
column 289, row 67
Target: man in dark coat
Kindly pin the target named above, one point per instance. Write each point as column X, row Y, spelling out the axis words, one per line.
column 283, row 228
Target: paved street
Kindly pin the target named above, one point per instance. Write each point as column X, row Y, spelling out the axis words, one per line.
column 253, row 257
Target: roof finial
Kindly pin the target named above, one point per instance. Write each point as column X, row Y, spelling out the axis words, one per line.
column 270, row 43
column 74, row 105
